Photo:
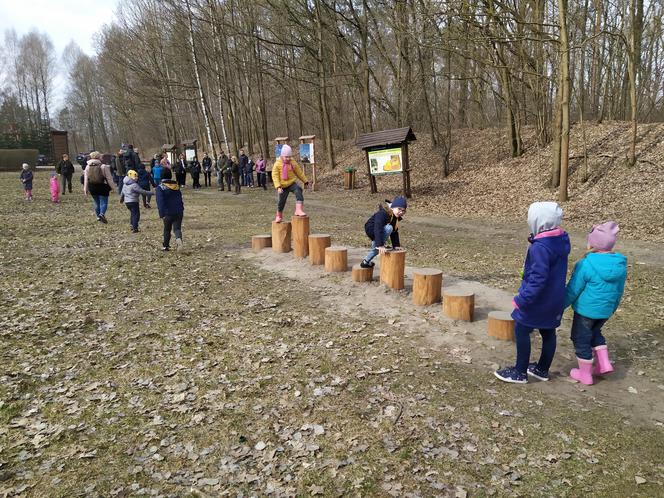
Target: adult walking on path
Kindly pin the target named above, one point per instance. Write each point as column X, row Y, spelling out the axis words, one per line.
column 235, row 171
column 97, row 181
column 180, row 170
column 195, row 170
column 285, row 174
column 120, row 170
column 207, row 169
column 261, row 176
column 65, row 169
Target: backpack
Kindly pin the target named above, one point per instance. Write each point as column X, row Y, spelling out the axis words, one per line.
column 95, row 175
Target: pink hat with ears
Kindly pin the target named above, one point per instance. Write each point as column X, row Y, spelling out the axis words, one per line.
column 286, row 151
column 603, row 237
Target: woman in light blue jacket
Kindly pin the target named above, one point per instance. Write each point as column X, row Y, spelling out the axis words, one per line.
column 594, row 292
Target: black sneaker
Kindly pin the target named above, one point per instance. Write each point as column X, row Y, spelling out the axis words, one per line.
column 539, row 374
column 165, row 248
column 364, row 264
column 102, row 218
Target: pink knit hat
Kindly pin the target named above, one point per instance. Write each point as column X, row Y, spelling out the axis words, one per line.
column 603, row 237
column 286, row 151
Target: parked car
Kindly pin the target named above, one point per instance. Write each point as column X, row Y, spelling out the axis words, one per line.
column 42, row 160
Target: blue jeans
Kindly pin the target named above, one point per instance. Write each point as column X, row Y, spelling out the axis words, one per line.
column 100, row 203
column 248, row 177
column 522, row 336
column 373, row 252
column 293, row 187
column 586, row 335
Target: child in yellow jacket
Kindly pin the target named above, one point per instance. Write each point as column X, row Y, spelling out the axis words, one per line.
column 285, row 173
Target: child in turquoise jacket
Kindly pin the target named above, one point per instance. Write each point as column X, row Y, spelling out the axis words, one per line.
column 594, row 292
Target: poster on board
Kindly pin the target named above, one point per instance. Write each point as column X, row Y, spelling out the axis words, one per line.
column 385, row 162
column 189, row 154
column 307, row 153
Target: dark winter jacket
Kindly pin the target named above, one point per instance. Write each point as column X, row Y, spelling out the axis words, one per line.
column 64, row 168
column 207, row 164
column 131, row 160
column 144, row 178
column 541, row 298
column 26, row 179
column 375, row 226
column 195, row 167
column 180, row 167
column 169, row 199
column 244, row 162
column 234, row 167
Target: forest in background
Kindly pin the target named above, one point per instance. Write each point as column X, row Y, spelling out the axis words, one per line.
column 238, row 73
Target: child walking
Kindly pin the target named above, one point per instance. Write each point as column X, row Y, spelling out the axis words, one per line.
column 130, row 192
column 382, row 225
column 171, row 209
column 594, row 292
column 55, row 188
column 540, row 301
column 26, row 180
column 285, row 173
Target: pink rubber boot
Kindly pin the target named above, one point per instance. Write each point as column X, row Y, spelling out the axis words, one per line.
column 583, row 374
column 603, row 365
column 279, row 218
column 298, row 209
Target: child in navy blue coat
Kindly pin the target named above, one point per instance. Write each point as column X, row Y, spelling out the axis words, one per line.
column 540, row 301
column 26, row 180
column 171, row 209
column 382, row 225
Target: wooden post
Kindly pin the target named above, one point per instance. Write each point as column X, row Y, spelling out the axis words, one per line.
column 501, row 325
column 300, row 226
column 459, row 305
column 392, row 267
column 427, row 284
column 259, row 242
column 406, row 170
column 281, row 236
column 317, row 244
column 362, row 274
column 336, row 259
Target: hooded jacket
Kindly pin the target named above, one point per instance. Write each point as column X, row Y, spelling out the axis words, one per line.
column 597, row 285
column 541, row 298
column 131, row 190
column 375, row 226
column 169, row 199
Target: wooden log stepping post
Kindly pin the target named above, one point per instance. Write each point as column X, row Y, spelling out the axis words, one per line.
column 259, row 242
column 318, row 242
column 336, row 259
column 362, row 274
column 281, row 236
column 427, row 285
column 300, row 225
column 392, row 268
column 501, row 325
column 459, row 305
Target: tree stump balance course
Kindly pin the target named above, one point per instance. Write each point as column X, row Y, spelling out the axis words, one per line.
column 392, row 268
column 459, row 305
column 281, row 236
column 318, row 242
column 260, row 242
column 501, row 325
column 336, row 259
column 362, row 274
column 427, row 286
column 300, row 227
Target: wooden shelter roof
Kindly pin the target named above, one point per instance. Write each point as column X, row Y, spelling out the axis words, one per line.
column 385, row 137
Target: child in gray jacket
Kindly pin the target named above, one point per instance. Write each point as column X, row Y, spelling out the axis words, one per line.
column 130, row 195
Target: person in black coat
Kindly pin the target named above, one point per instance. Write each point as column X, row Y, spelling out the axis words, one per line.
column 235, row 171
column 382, row 225
column 65, row 169
column 180, row 170
column 207, row 169
column 243, row 166
column 195, row 170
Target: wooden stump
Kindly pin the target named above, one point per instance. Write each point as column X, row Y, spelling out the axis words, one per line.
column 459, row 305
column 362, row 274
column 259, row 242
column 427, row 284
column 392, row 267
column 300, row 236
column 317, row 244
column 336, row 259
column 501, row 325
column 281, row 236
